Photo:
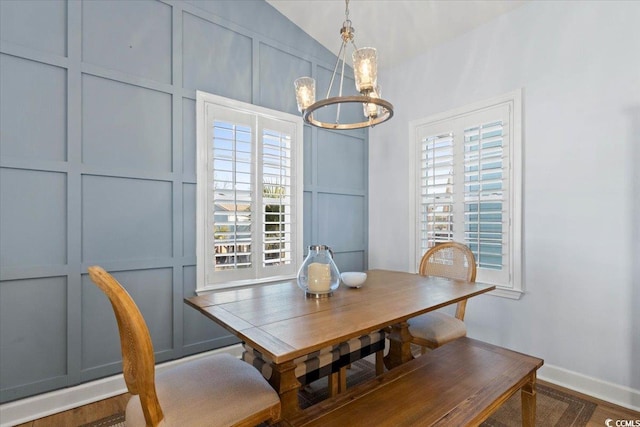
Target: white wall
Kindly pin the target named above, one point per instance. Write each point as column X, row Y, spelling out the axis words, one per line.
column 579, row 66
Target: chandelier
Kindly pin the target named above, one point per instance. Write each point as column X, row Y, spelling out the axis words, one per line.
column 375, row 109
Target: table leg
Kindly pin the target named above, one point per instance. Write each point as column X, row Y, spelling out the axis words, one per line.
column 528, row 395
column 284, row 381
column 399, row 346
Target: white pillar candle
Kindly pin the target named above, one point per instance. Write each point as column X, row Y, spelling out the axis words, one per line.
column 319, row 277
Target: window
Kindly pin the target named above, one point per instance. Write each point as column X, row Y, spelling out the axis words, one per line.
column 249, row 203
column 466, row 180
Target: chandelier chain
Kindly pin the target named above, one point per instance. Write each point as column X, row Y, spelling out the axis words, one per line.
column 347, row 30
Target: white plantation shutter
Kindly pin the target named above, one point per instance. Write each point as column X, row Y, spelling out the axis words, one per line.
column 277, row 198
column 468, row 190
column 486, row 196
column 231, row 188
column 436, row 191
column 248, row 200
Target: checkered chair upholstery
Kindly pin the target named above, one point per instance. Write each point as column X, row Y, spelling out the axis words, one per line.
column 324, row 362
column 308, row 368
column 358, row 348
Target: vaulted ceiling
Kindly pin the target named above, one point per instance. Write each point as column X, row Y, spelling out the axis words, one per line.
column 399, row 29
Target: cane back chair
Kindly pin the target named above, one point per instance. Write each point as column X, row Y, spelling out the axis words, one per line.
column 452, row 260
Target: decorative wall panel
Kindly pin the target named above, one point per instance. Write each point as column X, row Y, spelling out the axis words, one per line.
column 32, row 328
column 98, row 166
column 125, row 126
column 278, row 71
column 33, row 221
column 197, row 334
column 345, row 153
column 308, row 232
column 129, row 36
column 151, row 289
column 308, row 157
column 125, row 219
column 216, row 59
column 189, row 138
column 340, row 221
column 35, row 24
column 189, row 225
column 351, row 261
column 32, row 107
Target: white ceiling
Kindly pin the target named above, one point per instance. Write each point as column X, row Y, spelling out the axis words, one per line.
column 398, row 29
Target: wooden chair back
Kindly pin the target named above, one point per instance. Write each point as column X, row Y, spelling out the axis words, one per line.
column 452, row 260
column 138, row 361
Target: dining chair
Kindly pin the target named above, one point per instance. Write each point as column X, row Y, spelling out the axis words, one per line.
column 452, row 260
column 217, row 390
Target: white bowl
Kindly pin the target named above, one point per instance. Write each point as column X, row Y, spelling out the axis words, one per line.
column 353, row 279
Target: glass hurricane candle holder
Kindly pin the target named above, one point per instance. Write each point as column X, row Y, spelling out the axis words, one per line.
column 318, row 276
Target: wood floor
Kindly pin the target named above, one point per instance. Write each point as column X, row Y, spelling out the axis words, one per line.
column 84, row 414
column 604, row 410
column 89, row 413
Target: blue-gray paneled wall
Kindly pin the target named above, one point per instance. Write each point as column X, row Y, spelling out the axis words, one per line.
column 97, row 166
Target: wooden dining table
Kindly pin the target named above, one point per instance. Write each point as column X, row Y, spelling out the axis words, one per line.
column 281, row 322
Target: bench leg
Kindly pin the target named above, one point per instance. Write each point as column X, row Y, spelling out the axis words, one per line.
column 528, row 395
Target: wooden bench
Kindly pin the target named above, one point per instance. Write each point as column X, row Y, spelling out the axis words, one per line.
column 459, row 384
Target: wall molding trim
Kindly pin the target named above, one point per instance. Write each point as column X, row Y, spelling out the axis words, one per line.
column 603, row 390
column 42, row 405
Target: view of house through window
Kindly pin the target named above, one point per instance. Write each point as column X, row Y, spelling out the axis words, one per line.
column 232, row 189
column 249, row 204
column 467, row 180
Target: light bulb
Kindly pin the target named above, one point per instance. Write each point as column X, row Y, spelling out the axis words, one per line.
column 305, row 92
column 365, row 69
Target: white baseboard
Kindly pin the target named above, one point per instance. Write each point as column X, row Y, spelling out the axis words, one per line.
column 42, row 405
column 603, row 390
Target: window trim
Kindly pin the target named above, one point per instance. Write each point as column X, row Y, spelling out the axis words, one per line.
column 514, row 100
column 203, row 100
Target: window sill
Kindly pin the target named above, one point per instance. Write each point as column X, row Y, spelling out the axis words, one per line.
column 242, row 284
column 506, row 293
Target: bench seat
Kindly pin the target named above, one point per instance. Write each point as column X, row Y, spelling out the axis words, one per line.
column 459, row 384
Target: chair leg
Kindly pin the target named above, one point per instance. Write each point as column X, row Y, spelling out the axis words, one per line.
column 423, row 349
column 334, row 383
column 342, row 375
